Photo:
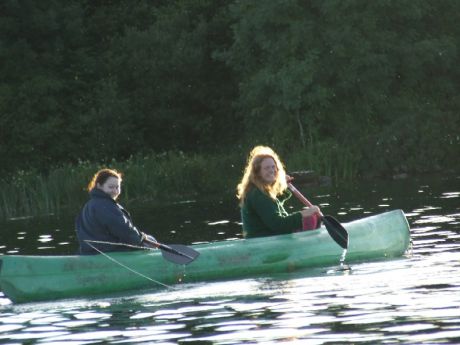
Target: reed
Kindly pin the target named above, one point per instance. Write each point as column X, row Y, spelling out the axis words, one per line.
column 160, row 178
column 157, row 177
column 326, row 159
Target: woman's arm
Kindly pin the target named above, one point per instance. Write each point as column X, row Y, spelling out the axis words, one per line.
column 120, row 225
column 273, row 214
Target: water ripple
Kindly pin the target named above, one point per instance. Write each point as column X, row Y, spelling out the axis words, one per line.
column 410, row 300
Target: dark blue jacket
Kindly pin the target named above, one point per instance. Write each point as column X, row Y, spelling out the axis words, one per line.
column 103, row 219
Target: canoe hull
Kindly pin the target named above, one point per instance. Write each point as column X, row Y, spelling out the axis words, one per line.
column 36, row 278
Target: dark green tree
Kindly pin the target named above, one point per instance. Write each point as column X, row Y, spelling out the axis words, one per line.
column 40, row 54
column 368, row 76
column 179, row 96
column 96, row 80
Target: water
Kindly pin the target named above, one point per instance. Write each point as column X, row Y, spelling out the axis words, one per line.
column 409, row 300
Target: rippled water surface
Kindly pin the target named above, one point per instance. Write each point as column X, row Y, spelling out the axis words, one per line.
column 410, row 300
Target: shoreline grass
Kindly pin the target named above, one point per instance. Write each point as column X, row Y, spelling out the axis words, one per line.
column 165, row 177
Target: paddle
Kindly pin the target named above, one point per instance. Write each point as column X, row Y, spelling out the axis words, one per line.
column 338, row 233
column 176, row 253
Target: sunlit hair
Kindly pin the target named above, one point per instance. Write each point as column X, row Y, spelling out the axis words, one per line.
column 102, row 176
column 252, row 176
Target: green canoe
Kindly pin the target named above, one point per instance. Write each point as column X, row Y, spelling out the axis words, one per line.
column 34, row 278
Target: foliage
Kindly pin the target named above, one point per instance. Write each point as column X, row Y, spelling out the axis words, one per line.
column 357, row 87
column 359, row 73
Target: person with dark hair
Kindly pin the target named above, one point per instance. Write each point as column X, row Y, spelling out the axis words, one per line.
column 103, row 225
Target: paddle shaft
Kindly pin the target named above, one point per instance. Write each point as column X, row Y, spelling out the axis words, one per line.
column 300, row 196
column 338, row 233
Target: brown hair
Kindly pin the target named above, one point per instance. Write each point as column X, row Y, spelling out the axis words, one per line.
column 251, row 176
column 102, row 176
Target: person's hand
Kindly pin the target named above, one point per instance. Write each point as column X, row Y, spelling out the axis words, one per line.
column 310, row 211
column 289, row 179
column 149, row 241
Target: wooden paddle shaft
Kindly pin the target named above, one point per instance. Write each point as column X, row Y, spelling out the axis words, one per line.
column 338, row 233
column 299, row 196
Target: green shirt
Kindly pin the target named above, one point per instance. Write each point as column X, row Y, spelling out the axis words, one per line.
column 263, row 216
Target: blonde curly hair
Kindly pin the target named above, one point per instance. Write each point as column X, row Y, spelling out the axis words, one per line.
column 252, row 177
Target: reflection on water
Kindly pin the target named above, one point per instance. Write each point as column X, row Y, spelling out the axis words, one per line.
column 410, row 300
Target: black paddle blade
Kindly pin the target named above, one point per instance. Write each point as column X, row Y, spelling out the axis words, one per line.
column 338, row 233
column 178, row 253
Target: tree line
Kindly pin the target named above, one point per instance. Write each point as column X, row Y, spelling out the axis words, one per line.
column 93, row 80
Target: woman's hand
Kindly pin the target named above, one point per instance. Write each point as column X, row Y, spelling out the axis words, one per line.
column 149, row 241
column 310, row 211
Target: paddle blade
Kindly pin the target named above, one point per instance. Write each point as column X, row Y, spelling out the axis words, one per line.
column 178, row 253
column 338, row 233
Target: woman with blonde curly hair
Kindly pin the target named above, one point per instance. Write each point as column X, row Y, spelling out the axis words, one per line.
column 262, row 193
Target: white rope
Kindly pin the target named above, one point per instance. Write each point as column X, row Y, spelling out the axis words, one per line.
column 123, row 265
column 118, row 244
